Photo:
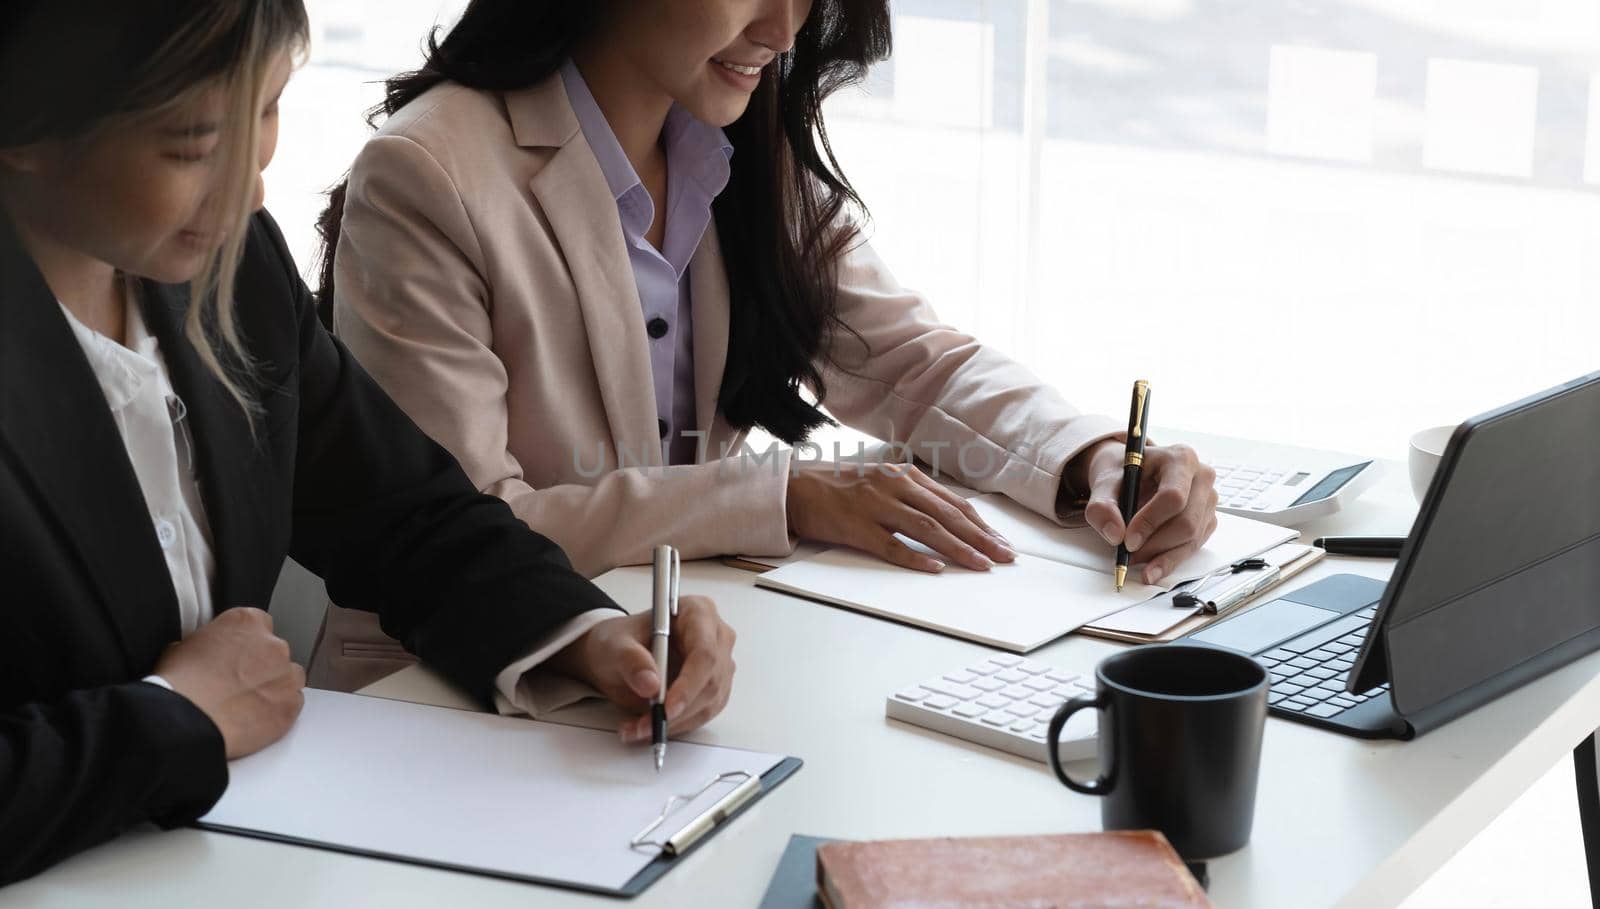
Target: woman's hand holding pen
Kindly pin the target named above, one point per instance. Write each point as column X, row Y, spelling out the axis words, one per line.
column 614, row 657
column 1177, row 508
column 865, row 506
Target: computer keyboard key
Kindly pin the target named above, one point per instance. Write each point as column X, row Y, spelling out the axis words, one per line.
column 1038, row 684
column 1281, row 675
column 1022, row 709
column 1032, row 668
column 940, row 702
column 1300, row 701
column 1022, row 726
column 961, row 678
column 1010, row 675
column 1288, row 689
column 1274, row 697
column 999, row 718
column 1301, row 662
column 1321, row 672
column 988, row 667
column 983, row 684
column 1343, row 700
column 1019, row 692
column 1059, row 677
column 970, row 711
column 1325, row 710
column 1279, row 654
column 992, row 701
column 960, row 692
column 1047, row 701
column 1321, row 654
column 914, row 694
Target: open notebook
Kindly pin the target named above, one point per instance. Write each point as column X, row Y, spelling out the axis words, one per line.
column 482, row 793
column 1060, row 581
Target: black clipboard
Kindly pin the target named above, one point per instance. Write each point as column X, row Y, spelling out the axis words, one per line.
column 346, row 728
column 636, row 885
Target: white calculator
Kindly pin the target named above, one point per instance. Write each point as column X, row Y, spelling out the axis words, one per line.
column 1003, row 702
column 1290, row 491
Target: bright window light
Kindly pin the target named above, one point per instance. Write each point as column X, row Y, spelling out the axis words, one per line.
column 1481, row 117
column 1320, row 103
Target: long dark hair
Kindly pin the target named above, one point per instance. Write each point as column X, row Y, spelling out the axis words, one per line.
column 779, row 220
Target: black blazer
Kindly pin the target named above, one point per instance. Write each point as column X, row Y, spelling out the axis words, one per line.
column 337, row 477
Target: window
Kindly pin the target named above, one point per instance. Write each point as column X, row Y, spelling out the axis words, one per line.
column 1331, row 222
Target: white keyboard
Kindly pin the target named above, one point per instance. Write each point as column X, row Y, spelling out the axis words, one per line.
column 1003, row 702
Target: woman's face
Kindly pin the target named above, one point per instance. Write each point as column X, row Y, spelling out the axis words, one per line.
column 707, row 55
column 144, row 199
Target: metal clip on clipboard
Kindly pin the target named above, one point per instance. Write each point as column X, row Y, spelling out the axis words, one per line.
column 1216, row 602
column 706, row 821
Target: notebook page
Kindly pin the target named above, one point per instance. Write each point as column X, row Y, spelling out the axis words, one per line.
column 1017, row 607
column 474, row 790
column 1236, row 538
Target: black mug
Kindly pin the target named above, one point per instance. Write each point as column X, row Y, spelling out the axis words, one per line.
column 1180, row 744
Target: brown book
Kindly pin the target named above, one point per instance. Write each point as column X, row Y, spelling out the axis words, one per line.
column 1132, row 869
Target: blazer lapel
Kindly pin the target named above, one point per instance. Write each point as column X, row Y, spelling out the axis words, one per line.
column 573, row 195
column 708, row 283
column 234, row 501
column 57, row 423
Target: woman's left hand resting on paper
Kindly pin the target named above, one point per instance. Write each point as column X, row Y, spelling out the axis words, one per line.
column 614, row 657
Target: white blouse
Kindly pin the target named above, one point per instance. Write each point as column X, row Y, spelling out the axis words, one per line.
column 151, row 418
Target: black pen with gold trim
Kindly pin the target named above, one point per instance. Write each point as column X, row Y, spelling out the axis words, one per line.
column 1132, row 461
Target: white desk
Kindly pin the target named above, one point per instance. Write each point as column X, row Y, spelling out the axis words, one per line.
column 1339, row 822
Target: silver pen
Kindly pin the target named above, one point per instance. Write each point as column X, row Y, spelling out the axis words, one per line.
column 1263, row 579
column 663, row 608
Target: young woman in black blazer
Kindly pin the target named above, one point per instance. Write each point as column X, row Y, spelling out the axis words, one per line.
column 132, row 137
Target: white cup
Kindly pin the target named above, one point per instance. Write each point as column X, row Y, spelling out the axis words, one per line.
column 1427, row 447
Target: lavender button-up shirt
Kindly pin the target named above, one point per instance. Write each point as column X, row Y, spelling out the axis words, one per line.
column 697, row 170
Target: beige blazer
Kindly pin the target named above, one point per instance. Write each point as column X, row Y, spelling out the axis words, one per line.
column 482, row 278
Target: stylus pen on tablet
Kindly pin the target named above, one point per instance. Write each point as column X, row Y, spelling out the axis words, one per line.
column 1371, row 547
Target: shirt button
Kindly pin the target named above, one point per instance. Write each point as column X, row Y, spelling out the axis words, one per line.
column 661, row 427
column 166, row 534
column 657, row 327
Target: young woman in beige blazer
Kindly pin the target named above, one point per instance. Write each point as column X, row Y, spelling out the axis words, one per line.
column 598, row 368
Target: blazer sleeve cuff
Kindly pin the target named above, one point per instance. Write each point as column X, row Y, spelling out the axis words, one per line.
column 1044, row 497
column 764, row 481
column 182, row 751
column 524, row 688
